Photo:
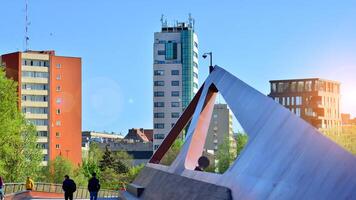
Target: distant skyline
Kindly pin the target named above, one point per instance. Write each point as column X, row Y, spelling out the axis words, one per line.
column 257, row 41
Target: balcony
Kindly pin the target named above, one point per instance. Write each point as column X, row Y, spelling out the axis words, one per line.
column 34, row 92
column 34, row 68
column 34, row 104
column 42, row 140
column 42, row 128
column 34, row 80
column 36, row 116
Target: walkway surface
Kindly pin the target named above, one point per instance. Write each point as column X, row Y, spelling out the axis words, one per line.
column 44, row 196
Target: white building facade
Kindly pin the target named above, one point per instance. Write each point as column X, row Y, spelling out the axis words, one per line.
column 175, row 75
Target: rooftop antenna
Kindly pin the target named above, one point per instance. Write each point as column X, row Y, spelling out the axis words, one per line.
column 191, row 20
column 27, row 23
column 163, row 21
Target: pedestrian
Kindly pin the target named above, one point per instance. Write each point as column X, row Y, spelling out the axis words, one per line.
column 69, row 188
column 93, row 187
column 2, row 186
column 29, row 184
column 203, row 163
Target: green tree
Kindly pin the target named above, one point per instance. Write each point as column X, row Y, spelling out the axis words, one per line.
column 107, row 160
column 91, row 164
column 241, row 141
column 19, row 154
column 58, row 168
column 224, row 156
column 172, row 153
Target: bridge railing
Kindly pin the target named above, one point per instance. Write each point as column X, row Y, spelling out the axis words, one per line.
column 82, row 192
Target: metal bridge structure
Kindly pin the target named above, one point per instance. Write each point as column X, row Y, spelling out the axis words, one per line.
column 285, row 157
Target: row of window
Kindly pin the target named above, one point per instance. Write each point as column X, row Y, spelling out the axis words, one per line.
column 37, row 63
column 35, row 110
column 38, row 98
column 304, row 86
column 161, row 115
column 161, row 94
column 38, row 122
column 289, row 101
column 161, row 72
column 174, row 104
column 159, row 136
column 167, row 62
column 35, row 74
column 161, row 83
column 34, row 86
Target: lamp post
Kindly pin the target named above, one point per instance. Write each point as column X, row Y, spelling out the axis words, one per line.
column 205, row 55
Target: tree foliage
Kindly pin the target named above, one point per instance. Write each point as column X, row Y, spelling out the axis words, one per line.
column 19, row 154
column 172, row 153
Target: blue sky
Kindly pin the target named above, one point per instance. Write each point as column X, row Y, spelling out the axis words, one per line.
column 255, row 40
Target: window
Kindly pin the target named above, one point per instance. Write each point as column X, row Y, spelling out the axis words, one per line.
column 38, row 98
column 159, row 126
column 276, row 99
column 35, row 74
column 57, row 146
column 175, row 72
column 283, row 101
column 58, row 88
column 174, row 104
column 34, row 86
column 161, row 52
column 42, row 133
column 171, row 50
column 280, row 87
column 292, row 101
column 36, row 63
column 274, row 87
column 158, row 104
column 158, row 72
column 308, row 86
column 58, row 77
column 58, row 100
column 58, row 123
column 196, row 44
column 195, row 75
column 58, row 134
column 159, row 136
column 172, row 125
column 195, row 64
column 298, row 100
column 293, row 86
column 195, row 54
column 175, row 115
column 159, row 94
column 159, row 115
column 175, row 93
column 159, row 83
column 195, row 85
column 288, row 101
column 58, row 66
column 156, row 146
column 58, row 111
column 297, row 112
column 175, row 83
column 38, row 122
column 300, row 86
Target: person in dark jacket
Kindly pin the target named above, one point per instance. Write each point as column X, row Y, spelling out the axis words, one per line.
column 69, row 188
column 93, row 187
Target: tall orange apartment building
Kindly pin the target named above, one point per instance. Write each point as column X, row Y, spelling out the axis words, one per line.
column 50, row 96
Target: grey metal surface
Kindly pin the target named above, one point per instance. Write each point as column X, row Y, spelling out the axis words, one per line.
column 285, row 158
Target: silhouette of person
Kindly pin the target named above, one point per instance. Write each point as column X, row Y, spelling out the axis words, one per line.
column 203, row 163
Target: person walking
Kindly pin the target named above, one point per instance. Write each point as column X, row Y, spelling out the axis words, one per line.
column 93, row 187
column 2, row 186
column 69, row 188
column 29, row 184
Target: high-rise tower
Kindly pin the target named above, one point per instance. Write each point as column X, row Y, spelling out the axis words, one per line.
column 175, row 75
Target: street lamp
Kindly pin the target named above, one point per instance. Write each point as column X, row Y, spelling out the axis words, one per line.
column 205, row 55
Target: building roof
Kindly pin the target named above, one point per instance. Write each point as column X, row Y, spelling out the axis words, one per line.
column 304, row 79
column 144, row 135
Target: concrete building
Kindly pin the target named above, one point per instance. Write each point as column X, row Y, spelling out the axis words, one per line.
column 175, row 75
column 101, row 137
column 50, row 96
column 220, row 129
column 315, row 100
